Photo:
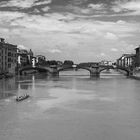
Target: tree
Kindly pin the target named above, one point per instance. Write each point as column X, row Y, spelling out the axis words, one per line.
column 53, row 62
column 68, row 62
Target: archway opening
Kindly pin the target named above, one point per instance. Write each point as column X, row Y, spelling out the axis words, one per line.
column 74, row 72
column 112, row 73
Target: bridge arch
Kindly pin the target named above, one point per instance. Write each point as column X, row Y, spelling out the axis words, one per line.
column 120, row 68
column 33, row 68
column 65, row 68
column 85, row 68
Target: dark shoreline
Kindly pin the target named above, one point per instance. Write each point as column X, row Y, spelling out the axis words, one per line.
column 135, row 77
column 7, row 75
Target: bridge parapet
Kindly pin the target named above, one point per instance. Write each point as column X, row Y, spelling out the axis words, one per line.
column 94, row 70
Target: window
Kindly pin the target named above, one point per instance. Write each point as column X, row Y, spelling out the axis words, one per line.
column 9, row 65
column 9, row 53
column 9, row 59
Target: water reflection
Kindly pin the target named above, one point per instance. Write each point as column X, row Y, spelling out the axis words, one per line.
column 23, row 84
column 63, row 96
column 7, row 87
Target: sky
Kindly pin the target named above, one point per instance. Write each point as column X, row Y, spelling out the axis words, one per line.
column 78, row 30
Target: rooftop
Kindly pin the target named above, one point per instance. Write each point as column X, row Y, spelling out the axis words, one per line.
column 5, row 44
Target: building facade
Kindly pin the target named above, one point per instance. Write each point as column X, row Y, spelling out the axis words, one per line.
column 24, row 57
column 8, row 57
column 137, row 63
column 126, row 60
column 40, row 60
column 105, row 63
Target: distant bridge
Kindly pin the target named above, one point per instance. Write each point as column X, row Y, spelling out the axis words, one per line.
column 54, row 69
column 94, row 70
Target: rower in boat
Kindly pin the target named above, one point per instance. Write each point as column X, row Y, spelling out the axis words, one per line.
column 20, row 98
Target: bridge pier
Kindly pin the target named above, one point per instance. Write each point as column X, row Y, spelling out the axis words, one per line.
column 20, row 73
column 54, row 71
column 55, row 74
column 94, row 72
column 130, row 73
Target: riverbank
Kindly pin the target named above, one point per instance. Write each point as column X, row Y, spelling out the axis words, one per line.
column 136, row 76
column 10, row 75
column 6, row 75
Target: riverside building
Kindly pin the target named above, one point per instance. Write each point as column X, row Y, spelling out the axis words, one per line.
column 8, row 57
column 126, row 60
column 137, row 56
column 24, row 57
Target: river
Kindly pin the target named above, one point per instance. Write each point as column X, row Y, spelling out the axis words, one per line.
column 72, row 106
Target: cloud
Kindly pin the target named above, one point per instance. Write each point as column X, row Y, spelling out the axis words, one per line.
column 116, row 9
column 67, row 24
column 23, row 3
column 6, row 18
column 89, row 9
column 78, row 2
column 133, row 5
column 45, row 9
column 111, row 36
column 42, row 2
column 54, row 51
column 128, row 8
column 79, row 7
column 96, row 6
column 68, row 36
column 18, row 3
column 36, row 11
column 121, row 22
column 9, row 16
column 102, row 54
column 22, row 47
column 114, row 49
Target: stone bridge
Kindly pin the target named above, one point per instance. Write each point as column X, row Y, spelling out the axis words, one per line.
column 53, row 70
column 94, row 70
column 38, row 68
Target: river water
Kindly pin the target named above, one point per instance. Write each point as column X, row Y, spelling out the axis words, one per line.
column 72, row 106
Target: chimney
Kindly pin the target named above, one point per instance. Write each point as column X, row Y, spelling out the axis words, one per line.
column 2, row 40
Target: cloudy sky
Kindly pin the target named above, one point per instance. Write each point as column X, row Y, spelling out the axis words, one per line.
column 80, row 30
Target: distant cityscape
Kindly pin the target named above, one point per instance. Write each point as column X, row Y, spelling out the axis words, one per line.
column 12, row 58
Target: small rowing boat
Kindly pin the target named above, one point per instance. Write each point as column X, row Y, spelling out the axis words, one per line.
column 20, row 98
